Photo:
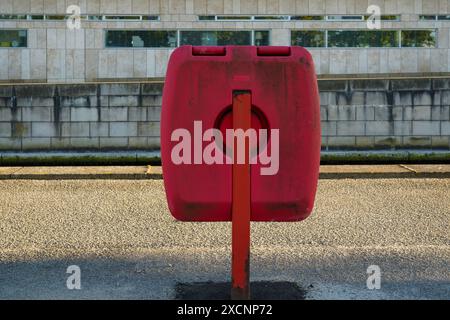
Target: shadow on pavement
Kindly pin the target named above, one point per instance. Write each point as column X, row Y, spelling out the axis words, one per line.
column 261, row 290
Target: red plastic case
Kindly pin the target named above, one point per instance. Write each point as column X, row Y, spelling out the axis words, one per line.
column 199, row 86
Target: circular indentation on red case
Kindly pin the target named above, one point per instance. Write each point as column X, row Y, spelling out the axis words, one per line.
column 258, row 121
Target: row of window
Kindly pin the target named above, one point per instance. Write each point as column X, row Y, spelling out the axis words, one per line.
column 173, row 38
column 204, row 18
column 82, row 17
column 364, row 38
column 436, row 18
column 55, row 17
column 305, row 38
column 297, row 18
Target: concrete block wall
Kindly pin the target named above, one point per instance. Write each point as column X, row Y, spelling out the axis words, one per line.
column 356, row 115
column 385, row 114
column 80, row 117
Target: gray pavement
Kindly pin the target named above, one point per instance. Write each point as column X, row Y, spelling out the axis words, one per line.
column 122, row 236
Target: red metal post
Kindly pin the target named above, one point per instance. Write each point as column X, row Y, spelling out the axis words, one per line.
column 240, row 264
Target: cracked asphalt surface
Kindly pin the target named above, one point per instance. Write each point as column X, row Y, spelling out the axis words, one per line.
column 122, row 236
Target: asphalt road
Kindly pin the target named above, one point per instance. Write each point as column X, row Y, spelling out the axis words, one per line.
column 122, row 236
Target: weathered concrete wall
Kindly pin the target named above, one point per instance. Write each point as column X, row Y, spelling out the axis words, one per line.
column 356, row 115
column 74, row 117
column 385, row 114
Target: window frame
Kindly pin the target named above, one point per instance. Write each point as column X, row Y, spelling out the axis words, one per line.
column 398, row 31
column 105, row 45
column 352, row 18
column 63, row 17
column 325, row 37
column 17, row 29
column 298, row 17
column 434, row 30
column 252, row 33
column 178, row 36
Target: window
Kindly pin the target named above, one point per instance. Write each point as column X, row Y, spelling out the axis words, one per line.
column 12, row 17
column 170, row 38
column 427, row 18
column 242, row 18
column 310, row 38
column 13, row 38
column 207, row 18
column 345, row 18
column 271, row 18
column 261, row 38
column 308, row 18
column 132, row 18
column 433, row 18
column 223, row 38
column 362, row 38
column 37, row 17
column 220, row 18
column 388, row 18
column 55, row 17
column 150, row 18
column 141, row 38
column 95, row 18
column 296, row 18
column 419, row 38
column 125, row 18
column 84, row 17
column 215, row 38
column 225, row 18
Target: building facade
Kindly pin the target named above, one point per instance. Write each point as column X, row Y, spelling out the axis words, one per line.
column 132, row 39
column 58, row 62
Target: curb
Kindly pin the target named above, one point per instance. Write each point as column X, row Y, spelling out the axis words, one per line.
column 398, row 175
column 134, row 158
column 155, row 172
column 81, row 173
column 385, row 157
column 81, row 177
column 109, row 158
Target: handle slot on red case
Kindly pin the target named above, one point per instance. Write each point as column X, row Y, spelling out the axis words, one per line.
column 209, row 51
column 273, row 51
